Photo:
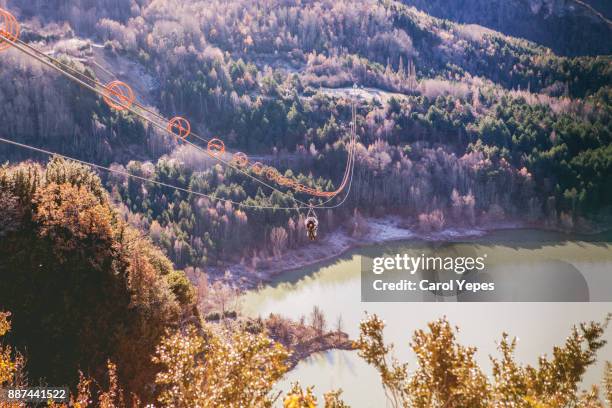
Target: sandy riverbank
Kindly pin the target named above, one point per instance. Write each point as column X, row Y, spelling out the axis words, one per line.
column 333, row 244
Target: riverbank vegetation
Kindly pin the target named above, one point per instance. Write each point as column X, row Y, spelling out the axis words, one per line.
column 302, row 337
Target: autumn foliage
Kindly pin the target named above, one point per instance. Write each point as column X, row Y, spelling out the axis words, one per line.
column 81, row 284
column 216, row 368
column 447, row 374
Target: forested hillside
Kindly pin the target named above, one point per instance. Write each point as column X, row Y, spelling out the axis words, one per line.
column 83, row 286
column 44, row 109
column 569, row 27
column 457, row 124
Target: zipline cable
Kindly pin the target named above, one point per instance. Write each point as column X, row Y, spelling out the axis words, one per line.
column 93, row 83
column 84, row 77
column 143, row 117
column 162, row 184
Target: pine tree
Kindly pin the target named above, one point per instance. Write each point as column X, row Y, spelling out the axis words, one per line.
column 388, row 70
column 412, row 77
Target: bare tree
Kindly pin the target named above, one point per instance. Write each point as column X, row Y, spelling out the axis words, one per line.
column 317, row 320
column 278, row 238
column 339, row 326
column 225, row 295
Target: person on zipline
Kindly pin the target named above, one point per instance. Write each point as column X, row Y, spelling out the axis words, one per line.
column 312, row 224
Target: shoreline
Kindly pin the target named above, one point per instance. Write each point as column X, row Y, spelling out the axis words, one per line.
column 332, row 245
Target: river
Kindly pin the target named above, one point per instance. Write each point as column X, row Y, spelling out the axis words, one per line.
column 335, row 287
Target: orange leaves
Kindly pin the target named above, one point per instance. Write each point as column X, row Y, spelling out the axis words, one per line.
column 447, row 370
column 448, row 375
column 5, row 324
column 7, row 366
column 607, row 382
column 68, row 214
column 11, row 363
column 235, row 369
column 74, row 208
column 298, row 398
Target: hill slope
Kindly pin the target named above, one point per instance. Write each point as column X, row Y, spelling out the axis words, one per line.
column 569, row 27
column 82, row 286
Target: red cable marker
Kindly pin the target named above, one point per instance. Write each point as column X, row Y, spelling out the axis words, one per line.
column 283, row 181
column 180, row 127
column 240, row 159
column 216, row 147
column 9, row 28
column 119, row 95
column 257, row 168
column 272, row 174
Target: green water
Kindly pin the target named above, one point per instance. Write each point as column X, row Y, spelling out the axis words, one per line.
column 335, row 287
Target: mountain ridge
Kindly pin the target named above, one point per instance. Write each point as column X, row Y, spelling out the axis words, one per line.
column 569, row 27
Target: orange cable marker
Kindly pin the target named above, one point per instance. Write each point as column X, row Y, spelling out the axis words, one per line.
column 180, row 127
column 119, row 95
column 284, row 181
column 272, row 174
column 216, row 147
column 257, row 168
column 311, row 191
column 240, row 159
column 10, row 29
